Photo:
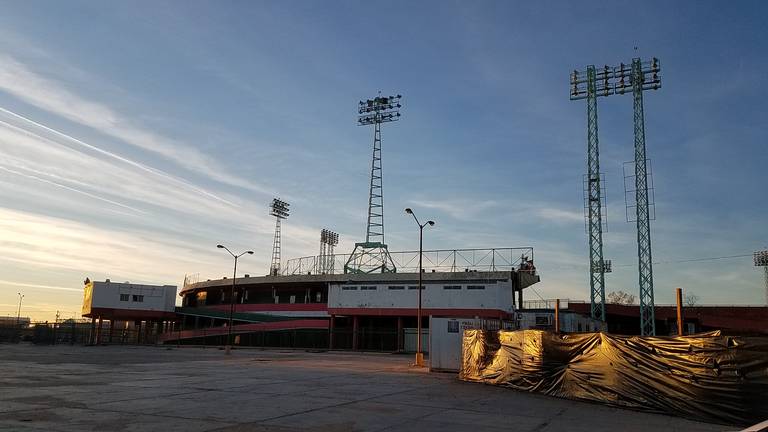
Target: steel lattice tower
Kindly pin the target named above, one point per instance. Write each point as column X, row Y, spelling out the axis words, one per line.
column 279, row 209
column 372, row 255
column 641, row 76
column 761, row 260
column 375, row 230
column 596, row 271
column 645, row 265
column 594, row 199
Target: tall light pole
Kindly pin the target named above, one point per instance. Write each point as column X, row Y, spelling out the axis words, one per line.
column 419, row 354
column 372, row 255
column 761, row 260
column 18, row 313
column 228, row 346
column 632, row 78
column 280, row 210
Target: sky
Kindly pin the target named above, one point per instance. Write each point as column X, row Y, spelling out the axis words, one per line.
column 135, row 136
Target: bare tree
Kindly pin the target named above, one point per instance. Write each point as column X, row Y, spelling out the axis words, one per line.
column 620, row 297
column 691, row 300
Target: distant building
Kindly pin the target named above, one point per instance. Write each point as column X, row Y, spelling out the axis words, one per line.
column 736, row 320
column 13, row 321
column 130, row 305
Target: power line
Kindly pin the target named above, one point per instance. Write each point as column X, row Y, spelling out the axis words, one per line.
column 694, row 259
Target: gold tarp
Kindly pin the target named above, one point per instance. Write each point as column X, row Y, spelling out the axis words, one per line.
column 706, row 377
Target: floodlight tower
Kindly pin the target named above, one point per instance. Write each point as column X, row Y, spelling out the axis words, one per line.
column 328, row 239
column 641, row 76
column 279, row 209
column 589, row 85
column 372, row 255
column 761, row 260
column 635, row 77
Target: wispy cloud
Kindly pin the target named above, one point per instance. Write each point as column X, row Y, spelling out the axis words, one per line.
column 69, row 188
column 462, row 209
column 559, row 215
column 48, row 287
column 20, row 81
column 34, row 129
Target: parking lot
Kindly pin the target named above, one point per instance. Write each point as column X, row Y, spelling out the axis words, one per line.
column 133, row 388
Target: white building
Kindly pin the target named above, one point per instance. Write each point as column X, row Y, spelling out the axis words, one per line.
column 108, row 299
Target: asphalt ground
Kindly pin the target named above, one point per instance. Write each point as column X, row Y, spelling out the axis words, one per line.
column 132, row 388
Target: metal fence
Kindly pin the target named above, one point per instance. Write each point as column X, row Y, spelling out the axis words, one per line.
column 442, row 260
column 78, row 332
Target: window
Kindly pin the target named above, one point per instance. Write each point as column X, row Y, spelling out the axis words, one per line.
column 138, row 298
column 452, row 287
column 369, row 287
column 475, row 287
column 124, row 297
column 453, row 326
column 349, row 288
column 396, row 287
column 416, row 287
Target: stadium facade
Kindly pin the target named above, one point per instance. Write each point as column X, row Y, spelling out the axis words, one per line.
column 372, row 311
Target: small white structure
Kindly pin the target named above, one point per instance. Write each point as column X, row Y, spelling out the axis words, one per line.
column 106, row 298
column 446, row 338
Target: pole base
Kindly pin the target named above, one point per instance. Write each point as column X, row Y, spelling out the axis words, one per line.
column 227, row 350
column 419, row 360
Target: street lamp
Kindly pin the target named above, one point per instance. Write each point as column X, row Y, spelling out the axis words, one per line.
column 18, row 313
column 419, row 355
column 228, row 346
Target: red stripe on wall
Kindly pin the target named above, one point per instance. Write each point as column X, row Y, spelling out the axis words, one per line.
column 270, row 307
column 245, row 328
column 462, row 313
column 129, row 314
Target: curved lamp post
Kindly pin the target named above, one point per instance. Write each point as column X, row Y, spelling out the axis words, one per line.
column 228, row 346
column 419, row 354
column 18, row 313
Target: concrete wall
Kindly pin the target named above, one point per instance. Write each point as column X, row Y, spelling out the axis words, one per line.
column 495, row 295
column 139, row 297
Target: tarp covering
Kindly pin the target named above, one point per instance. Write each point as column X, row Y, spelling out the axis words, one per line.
column 706, row 377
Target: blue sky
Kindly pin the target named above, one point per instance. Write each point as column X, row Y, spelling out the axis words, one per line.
column 136, row 136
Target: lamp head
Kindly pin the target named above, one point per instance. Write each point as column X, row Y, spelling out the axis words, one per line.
column 220, row 246
column 409, row 211
column 250, row 252
column 431, row 223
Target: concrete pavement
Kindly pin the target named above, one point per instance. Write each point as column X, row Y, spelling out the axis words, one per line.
column 114, row 388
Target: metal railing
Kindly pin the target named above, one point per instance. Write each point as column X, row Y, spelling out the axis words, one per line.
column 547, row 303
column 441, row 260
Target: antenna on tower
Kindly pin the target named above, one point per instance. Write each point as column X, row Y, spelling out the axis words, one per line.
column 372, row 256
column 279, row 209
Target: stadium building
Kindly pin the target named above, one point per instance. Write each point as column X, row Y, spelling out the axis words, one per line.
column 302, row 307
